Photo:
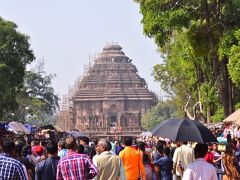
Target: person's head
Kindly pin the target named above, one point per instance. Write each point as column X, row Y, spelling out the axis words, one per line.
column 19, row 146
column 185, row 142
column 70, row 143
column 166, row 151
column 215, row 147
column 61, row 145
column 200, row 150
column 9, row 147
column 159, row 148
column 141, row 146
column 39, row 150
column 229, row 149
column 210, row 147
column 34, row 143
column 52, row 148
column 178, row 143
column 128, row 141
column 103, row 145
column 161, row 143
column 109, row 145
column 26, row 151
column 84, row 140
column 80, row 148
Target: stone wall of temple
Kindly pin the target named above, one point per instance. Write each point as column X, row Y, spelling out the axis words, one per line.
column 111, row 98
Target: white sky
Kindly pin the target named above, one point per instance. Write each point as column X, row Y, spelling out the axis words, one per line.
column 65, row 33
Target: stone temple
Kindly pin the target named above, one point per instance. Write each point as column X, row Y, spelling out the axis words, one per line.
column 111, row 98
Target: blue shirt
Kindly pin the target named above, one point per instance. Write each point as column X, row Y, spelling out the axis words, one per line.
column 166, row 165
column 62, row 153
column 11, row 168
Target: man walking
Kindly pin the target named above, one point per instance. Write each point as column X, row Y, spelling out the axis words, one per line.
column 109, row 166
column 10, row 168
column 182, row 156
column 73, row 165
column 47, row 169
column 132, row 162
column 200, row 169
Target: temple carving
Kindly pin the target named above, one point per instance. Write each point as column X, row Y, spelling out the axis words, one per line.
column 110, row 99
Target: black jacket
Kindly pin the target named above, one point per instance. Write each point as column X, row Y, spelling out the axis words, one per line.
column 47, row 169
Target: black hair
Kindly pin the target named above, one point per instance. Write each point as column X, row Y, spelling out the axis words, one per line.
column 109, row 146
column 128, row 141
column 80, row 148
column 19, row 146
column 52, row 148
column 166, row 151
column 8, row 146
column 85, row 139
column 61, row 144
column 229, row 149
column 26, row 150
column 141, row 146
column 159, row 148
column 161, row 142
column 201, row 150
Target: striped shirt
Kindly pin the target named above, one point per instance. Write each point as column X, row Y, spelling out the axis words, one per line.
column 76, row 166
column 11, row 168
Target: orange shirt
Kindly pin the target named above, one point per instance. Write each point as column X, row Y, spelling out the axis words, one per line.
column 132, row 163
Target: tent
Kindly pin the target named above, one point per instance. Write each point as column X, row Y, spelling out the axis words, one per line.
column 234, row 117
column 52, row 127
column 17, row 127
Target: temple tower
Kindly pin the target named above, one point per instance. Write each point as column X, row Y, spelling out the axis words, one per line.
column 111, row 98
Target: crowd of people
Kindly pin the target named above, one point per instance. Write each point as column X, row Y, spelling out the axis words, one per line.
column 133, row 159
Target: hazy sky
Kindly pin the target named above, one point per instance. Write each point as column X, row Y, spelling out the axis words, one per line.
column 65, row 33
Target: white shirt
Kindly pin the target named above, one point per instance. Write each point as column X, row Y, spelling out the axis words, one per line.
column 200, row 170
column 185, row 155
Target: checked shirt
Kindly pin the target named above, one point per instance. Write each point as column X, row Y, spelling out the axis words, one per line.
column 76, row 166
column 10, row 168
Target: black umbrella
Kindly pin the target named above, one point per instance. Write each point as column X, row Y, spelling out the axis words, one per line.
column 184, row 130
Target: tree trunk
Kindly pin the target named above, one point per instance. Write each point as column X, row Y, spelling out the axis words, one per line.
column 220, row 71
column 227, row 94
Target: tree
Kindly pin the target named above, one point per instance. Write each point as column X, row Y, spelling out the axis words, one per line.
column 37, row 99
column 208, row 26
column 234, row 60
column 162, row 111
column 15, row 54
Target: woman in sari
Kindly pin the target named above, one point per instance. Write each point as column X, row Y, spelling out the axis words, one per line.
column 230, row 170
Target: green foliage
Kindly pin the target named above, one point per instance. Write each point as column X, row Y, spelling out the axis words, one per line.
column 15, row 54
column 198, row 38
column 237, row 106
column 234, row 60
column 177, row 75
column 24, row 95
column 219, row 115
column 37, row 100
column 163, row 110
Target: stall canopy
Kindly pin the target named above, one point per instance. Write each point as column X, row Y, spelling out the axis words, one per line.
column 52, row 127
column 17, row 127
column 234, row 117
